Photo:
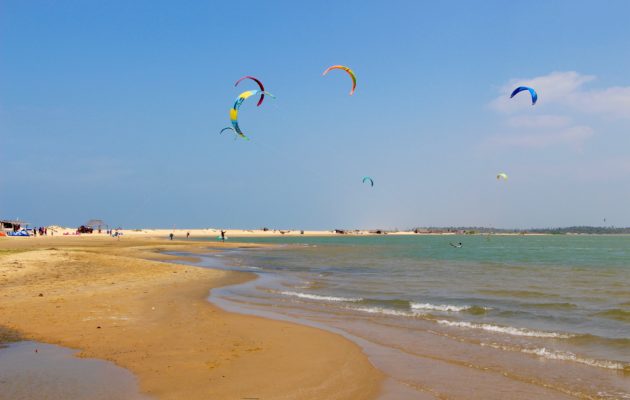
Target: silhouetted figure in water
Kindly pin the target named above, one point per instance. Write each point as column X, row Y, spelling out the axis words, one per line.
column 458, row 245
column 171, row 235
column 222, row 235
column 187, row 235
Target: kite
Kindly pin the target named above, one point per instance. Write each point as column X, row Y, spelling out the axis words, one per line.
column 237, row 105
column 349, row 71
column 368, row 179
column 236, row 135
column 262, row 88
column 523, row 88
column 502, row 175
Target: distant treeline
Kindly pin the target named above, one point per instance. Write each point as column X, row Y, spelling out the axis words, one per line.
column 553, row 231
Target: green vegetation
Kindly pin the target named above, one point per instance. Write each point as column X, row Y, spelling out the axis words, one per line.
column 592, row 230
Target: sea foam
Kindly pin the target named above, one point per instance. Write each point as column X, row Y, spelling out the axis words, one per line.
column 439, row 307
column 386, row 311
column 509, row 330
column 319, row 297
column 568, row 356
column 548, row 354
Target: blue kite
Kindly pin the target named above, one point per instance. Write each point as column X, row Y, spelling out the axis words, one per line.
column 522, row 89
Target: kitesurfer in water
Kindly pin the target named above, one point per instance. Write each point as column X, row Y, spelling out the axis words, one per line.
column 458, row 245
column 222, row 235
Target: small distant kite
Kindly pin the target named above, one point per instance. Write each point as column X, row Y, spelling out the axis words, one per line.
column 368, row 179
column 236, row 135
column 262, row 88
column 502, row 175
column 349, row 71
column 237, row 105
column 530, row 90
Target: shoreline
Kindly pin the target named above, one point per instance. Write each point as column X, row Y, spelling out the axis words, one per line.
column 121, row 301
column 445, row 340
column 181, row 233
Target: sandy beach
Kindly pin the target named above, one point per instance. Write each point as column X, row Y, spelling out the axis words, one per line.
column 180, row 233
column 122, row 301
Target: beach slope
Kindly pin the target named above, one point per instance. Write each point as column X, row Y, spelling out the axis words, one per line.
column 107, row 299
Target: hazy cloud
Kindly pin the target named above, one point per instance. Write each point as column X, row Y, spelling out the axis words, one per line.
column 566, row 89
column 567, row 96
column 573, row 136
column 538, row 121
column 603, row 170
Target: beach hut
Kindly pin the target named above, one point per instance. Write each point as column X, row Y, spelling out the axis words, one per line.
column 11, row 225
column 95, row 224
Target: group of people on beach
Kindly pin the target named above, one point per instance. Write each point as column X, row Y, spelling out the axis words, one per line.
column 172, row 235
column 43, row 231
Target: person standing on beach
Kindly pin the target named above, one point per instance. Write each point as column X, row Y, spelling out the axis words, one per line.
column 187, row 235
column 222, row 235
column 171, row 236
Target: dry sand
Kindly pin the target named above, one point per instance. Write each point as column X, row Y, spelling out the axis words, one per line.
column 105, row 297
column 208, row 232
column 241, row 233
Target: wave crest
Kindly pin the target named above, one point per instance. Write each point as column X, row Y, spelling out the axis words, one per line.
column 568, row 356
column 509, row 330
column 320, row 297
column 438, row 307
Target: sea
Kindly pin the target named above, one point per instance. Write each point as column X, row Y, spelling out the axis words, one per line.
column 501, row 317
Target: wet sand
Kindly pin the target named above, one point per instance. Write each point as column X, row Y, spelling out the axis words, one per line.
column 36, row 370
column 106, row 298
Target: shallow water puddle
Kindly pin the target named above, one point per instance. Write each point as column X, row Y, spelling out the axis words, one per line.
column 31, row 370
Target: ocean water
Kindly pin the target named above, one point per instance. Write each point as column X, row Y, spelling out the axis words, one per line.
column 501, row 317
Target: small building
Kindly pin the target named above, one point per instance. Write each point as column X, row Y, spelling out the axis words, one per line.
column 10, row 225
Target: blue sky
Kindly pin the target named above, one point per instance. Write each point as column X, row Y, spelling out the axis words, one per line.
column 111, row 109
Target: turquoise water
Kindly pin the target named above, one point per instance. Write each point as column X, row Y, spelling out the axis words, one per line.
column 562, row 250
column 530, row 306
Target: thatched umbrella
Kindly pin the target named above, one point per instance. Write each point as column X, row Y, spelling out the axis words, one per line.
column 95, row 223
